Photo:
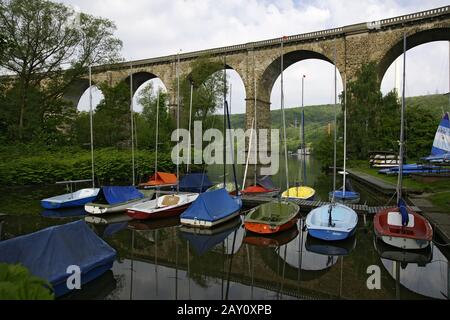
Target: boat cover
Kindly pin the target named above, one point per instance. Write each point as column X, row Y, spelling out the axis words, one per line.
column 48, row 253
column 212, row 206
column 161, row 178
column 403, row 212
column 195, row 182
column 115, row 195
column 266, row 182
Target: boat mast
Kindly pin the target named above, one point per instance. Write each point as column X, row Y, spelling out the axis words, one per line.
column 255, row 120
column 282, row 112
column 303, row 180
column 91, row 127
column 345, row 134
column 190, row 125
column 157, row 133
column 224, row 122
column 132, row 123
column 335, row 124
column 178, row 121
column 402, row 125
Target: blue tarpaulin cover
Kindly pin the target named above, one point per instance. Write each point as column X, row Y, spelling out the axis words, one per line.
column 266, row 182
column 212, row 206
column 114, row 195
column 48, row 253
column 195, row 182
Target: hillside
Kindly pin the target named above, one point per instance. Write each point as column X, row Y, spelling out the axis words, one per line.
column 318, row 117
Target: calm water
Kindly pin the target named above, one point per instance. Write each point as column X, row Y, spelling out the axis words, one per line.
column 162, row 260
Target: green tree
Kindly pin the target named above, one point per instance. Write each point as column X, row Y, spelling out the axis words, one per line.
column 146, row 122
column 49, row 47
column 112, row 117
column 208, row 84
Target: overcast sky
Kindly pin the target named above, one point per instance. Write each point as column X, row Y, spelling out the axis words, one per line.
column 150, row 28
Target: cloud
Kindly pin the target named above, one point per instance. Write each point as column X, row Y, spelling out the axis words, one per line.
column 157, row 28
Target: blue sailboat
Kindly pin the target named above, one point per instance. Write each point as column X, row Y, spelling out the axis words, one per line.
column 48, row 254
column 334, row 221
column 345, row 195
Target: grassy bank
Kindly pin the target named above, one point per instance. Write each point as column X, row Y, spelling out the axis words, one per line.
column 438, row 193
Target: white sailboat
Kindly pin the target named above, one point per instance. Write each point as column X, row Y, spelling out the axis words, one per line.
column 334, row 221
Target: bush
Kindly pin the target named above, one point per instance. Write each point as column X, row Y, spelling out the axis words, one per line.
column 16, row 283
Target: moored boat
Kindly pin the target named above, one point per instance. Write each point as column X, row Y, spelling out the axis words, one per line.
column 211, row 209
column 271, row 239
column 160, row 180
column 401, row 227
column 264, row 186
column 162, row 207
column 301, row 192
column 116, row 199
column 272, row 217
column 48, row 254
column 332, row 222
column 70, row 200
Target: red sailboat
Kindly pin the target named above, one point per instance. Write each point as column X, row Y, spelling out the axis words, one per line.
column 401, row 227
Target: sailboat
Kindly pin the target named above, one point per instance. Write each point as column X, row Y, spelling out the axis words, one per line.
column 301, row 191
column 281, row 215
column 81, row 197
column 215, row 207
column 401, row 227
column 334, row 221
column 48, row 253
column 441, row 146
column 165, row 206
column 114, row 199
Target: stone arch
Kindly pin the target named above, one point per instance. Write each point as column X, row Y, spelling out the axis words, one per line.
column 75, row 91
column 273, row 70
column 413, row 40
column 140, row 77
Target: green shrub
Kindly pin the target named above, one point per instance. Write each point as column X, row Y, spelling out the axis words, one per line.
column 16, row 283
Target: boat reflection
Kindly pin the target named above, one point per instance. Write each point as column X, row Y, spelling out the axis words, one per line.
column 424, row 272
column 64, row 213
column 328, row 248
column 271, row 240
column 97, row 289
column 203, row 240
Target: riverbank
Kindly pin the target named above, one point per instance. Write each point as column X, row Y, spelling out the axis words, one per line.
column 432, row 198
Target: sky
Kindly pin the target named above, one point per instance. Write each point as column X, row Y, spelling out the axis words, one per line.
column 151, row 28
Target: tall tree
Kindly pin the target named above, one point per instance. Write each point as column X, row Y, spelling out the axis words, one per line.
column 49, row 46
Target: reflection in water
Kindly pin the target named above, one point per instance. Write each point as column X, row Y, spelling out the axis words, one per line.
column 158, row 260
column 425, row 272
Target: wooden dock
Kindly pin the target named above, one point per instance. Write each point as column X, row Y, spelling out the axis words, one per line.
column 309, row 205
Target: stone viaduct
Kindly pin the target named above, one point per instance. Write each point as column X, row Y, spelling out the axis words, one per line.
column 258, row 63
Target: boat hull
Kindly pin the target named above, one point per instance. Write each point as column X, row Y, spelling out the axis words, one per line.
column 330, row 235
column 50, row 205
column 142, row 215
column 95, row 208
column 208, row 224
column 414, row 237
column 264, row 228
column 71, row 200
